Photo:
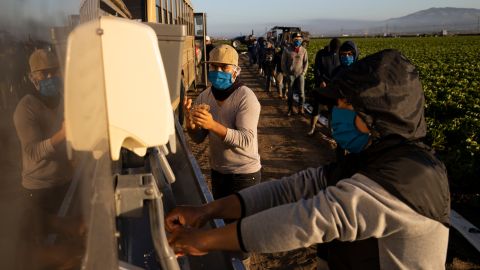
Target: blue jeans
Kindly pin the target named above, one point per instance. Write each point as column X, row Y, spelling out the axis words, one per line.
column 296, row 84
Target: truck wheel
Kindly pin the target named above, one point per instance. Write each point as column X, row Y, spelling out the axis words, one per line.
column 236, row 44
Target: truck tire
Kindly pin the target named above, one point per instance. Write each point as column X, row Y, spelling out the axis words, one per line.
column 236, row 43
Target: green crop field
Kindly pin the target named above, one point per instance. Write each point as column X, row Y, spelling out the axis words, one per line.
column 450, row 72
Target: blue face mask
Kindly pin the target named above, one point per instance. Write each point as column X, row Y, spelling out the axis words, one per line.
column 346, row 133
column 347, row 60
column 220, row 80
column 50, row 87
column 297, row 43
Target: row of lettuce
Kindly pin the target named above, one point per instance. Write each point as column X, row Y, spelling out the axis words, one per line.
column 450, row 72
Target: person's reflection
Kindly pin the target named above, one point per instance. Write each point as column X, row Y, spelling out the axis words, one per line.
column 46, row 172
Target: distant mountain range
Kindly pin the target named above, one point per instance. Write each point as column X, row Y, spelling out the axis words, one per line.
column 453, row 20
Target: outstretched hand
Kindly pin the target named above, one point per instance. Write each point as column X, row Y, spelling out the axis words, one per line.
column 188, row 241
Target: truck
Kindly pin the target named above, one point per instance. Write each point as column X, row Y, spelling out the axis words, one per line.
column 157, row 13
column 125, row 66
column 280, row 35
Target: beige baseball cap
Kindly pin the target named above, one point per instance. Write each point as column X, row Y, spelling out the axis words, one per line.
column 41, row 60
column 224, row 54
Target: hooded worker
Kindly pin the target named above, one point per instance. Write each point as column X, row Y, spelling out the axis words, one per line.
column 385, row 206
column 326, row 63
column 230, row 124
column 348, row 53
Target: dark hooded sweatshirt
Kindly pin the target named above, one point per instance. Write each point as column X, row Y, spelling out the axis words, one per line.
column 385, row 208
column 326, row 61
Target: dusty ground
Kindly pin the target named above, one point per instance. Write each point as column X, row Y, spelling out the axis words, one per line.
column 285, row 149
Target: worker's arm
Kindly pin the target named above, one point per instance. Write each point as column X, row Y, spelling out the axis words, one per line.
column 354, row 209
column 32, row 137
column 305, row 63
column 204, row 120
column 244, row 134
column 200, row 242
column 304, row 184
column 196, row 216
column 301, row 185
column 59, row 136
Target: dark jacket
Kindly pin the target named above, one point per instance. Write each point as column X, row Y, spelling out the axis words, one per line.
column 209, row 48
column 325, row 63
column 278, row 60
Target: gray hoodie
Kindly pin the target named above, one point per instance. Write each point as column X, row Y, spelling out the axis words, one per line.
column 300, row 210
column 295, row 63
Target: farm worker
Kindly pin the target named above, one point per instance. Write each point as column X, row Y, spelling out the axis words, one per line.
column 262, row 45
column 46, row 171
column 230, row 124
column 279, row 72
column 385, row 206
column 294, row 66
column 38, row 119
column 326, row 61
column 252, row 47
column 348, row 54
column 269, row 65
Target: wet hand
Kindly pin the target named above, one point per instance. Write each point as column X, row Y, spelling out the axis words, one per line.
column 188, row 241
column 203, row 119
column 185, row 217
column 187, row 108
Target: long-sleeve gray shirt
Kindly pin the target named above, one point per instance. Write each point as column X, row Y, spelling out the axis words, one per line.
column 43, row 165
column 295, row 63
column 300, row 210
column 239, row 113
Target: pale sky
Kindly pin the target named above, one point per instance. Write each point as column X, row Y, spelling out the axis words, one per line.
column 236, row 17
column 240, row 16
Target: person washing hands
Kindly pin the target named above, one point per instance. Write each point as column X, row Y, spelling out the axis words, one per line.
column 230, row 124
column 386, row 205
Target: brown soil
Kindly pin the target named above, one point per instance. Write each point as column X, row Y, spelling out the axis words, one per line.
column 285, row 148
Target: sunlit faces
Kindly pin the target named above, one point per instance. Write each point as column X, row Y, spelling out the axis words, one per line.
column 225, row 68
column 222, row 67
